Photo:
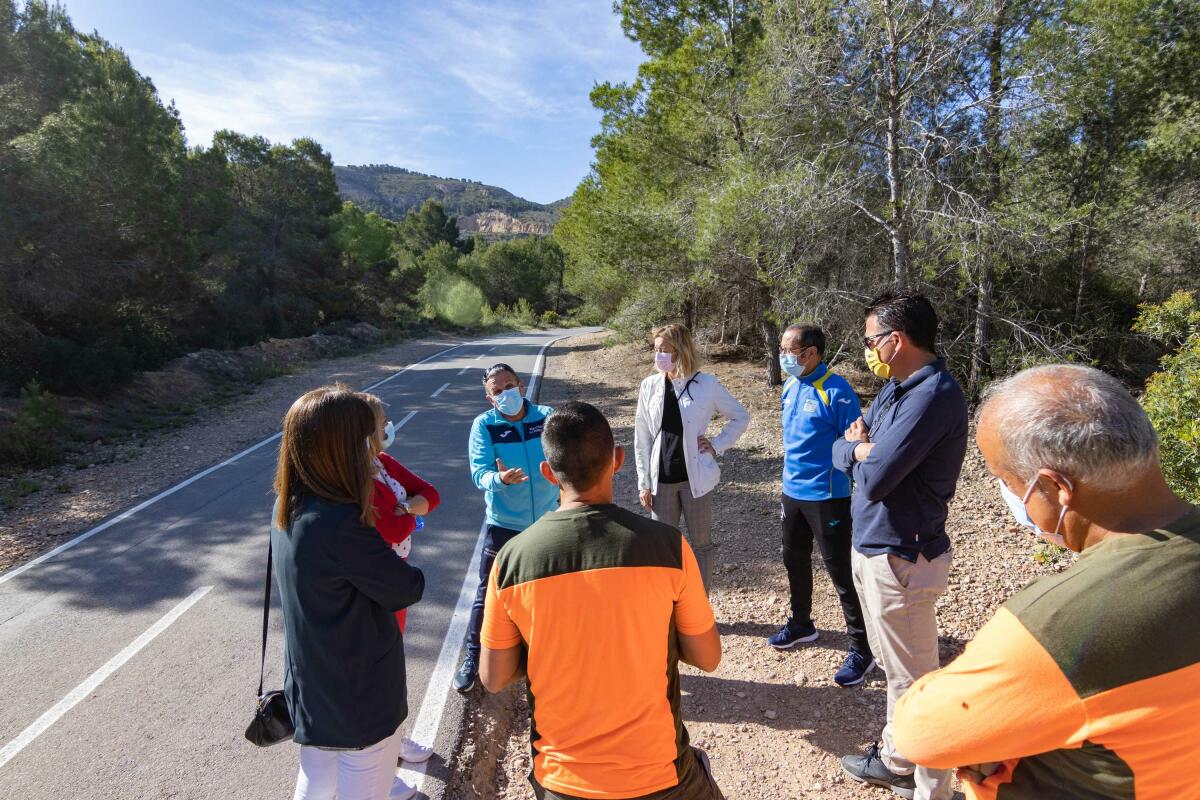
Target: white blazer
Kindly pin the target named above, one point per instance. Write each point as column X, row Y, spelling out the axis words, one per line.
column 704, row 397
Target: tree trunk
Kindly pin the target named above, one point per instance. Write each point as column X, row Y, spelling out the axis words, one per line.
column 981, row 360
column 898, row 228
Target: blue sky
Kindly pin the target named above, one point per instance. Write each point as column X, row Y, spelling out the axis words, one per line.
column 493, row 91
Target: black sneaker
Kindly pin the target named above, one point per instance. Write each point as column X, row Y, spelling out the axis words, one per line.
column 791, row 635
column 869, row 769
column 467, row 675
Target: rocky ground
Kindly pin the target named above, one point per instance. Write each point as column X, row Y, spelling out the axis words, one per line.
column 774, row 724
column 42, row 509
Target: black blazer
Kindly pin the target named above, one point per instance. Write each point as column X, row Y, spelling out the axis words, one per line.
column 339, row 584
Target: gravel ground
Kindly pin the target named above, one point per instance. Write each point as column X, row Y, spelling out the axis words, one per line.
column 774, row 724
column 117, row 476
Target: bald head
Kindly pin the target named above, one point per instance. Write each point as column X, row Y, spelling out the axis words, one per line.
column 1077, row 420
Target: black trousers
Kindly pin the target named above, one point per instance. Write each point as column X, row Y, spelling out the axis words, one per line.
column 829, row 523
column 495, row 538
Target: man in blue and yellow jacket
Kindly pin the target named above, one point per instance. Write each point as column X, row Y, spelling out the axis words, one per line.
column 505, row 451
column 818, row 406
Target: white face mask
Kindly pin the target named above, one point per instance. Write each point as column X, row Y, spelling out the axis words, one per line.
column 389, row 434
column 665, row 362
column 1021, row 513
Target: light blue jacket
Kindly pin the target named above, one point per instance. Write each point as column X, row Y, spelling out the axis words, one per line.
column 517, row 444
column 817, row 410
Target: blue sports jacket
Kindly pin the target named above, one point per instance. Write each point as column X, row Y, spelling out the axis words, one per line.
column 902, row 490
column 817, row 410
column 517, row 444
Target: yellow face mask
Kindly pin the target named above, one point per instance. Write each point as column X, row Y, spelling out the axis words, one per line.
column 876, row 366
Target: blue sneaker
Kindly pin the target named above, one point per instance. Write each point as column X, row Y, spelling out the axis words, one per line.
column 854, row 669
column 791, row 635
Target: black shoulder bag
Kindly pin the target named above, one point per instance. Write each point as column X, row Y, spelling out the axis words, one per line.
column 272, row 722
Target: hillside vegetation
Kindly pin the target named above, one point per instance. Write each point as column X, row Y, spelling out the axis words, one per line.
column 392, row 192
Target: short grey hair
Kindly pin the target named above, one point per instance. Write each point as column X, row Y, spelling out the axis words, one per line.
column 1073, row 419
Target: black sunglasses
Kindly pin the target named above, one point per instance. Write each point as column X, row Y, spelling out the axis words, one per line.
column 869, row 341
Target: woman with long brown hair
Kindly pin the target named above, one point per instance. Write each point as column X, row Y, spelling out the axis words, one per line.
column 340, row 586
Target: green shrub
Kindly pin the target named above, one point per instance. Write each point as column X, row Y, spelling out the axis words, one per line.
column 522, row 314
column 550, row 319
column 462, row 304
column 34, row 439
column 1172, row 398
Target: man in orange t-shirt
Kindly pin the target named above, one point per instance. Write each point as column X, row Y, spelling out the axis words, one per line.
column 1085, row 684
column 598, row 605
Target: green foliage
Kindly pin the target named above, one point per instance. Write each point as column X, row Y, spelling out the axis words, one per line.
column 1172, row 398
column 529, row 269
column 34, row 439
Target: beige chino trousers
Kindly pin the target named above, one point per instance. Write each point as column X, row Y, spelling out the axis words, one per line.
column 898, row 600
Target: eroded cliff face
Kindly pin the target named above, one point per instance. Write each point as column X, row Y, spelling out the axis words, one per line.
column 497, row 223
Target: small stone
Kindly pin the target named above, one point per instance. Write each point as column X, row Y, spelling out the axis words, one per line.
column 770, row 714
column 742, row 695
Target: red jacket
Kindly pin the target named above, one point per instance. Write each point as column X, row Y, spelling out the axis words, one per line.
column 395, row 529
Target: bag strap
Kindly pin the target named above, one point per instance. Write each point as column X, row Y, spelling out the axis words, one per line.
column 262, row 667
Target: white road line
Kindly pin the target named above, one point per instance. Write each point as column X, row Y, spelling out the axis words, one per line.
column 12, row 573
column 433, row 705
column 39, row 726
column 445, row 386
column 463, row 371
column 398, row 425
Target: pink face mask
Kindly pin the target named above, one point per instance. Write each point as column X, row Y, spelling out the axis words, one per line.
column 665, row 362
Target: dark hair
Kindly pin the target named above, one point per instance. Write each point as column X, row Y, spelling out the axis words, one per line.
column 578, row 444
column 494, row 369
column 908, row 312
column 810, row 335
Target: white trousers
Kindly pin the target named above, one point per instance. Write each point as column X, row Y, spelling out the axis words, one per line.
column 348, row 774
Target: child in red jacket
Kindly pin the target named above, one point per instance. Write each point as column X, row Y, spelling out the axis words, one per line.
column 399, row 497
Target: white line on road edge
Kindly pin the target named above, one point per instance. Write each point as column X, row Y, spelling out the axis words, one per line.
column 444, row 387
column 437, row 691
column 397, row 426
column 433, row 705
column 12, row 573
column 39, row 726
column 463, row 371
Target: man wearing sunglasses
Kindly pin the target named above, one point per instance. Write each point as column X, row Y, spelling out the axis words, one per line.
column 905, row 455
column 505, row 452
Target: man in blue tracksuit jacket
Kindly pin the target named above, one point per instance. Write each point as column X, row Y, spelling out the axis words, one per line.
column 505, row 451
column 818, row 406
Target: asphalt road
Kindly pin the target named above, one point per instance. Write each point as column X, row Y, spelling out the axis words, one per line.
column 128, row 662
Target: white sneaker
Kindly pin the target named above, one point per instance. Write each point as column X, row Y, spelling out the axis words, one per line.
column 414, row 753
column 401, row 789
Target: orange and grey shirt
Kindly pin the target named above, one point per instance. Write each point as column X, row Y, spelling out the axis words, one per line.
column 597, row 594
column 1085, row 684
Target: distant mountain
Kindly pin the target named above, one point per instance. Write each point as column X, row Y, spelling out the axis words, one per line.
column 494, row 212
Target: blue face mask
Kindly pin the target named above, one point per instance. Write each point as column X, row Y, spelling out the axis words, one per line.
column 790, row 364
column 1021, row 513
column 509, row 401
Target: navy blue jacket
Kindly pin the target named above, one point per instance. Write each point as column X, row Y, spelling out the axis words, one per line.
column 339, row 585
column 903, row 488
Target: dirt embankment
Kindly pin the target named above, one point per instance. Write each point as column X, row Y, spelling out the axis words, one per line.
column 196, row 411
column 774, row 724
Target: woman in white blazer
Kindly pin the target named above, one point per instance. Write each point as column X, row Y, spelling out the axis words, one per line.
column 676, row 461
